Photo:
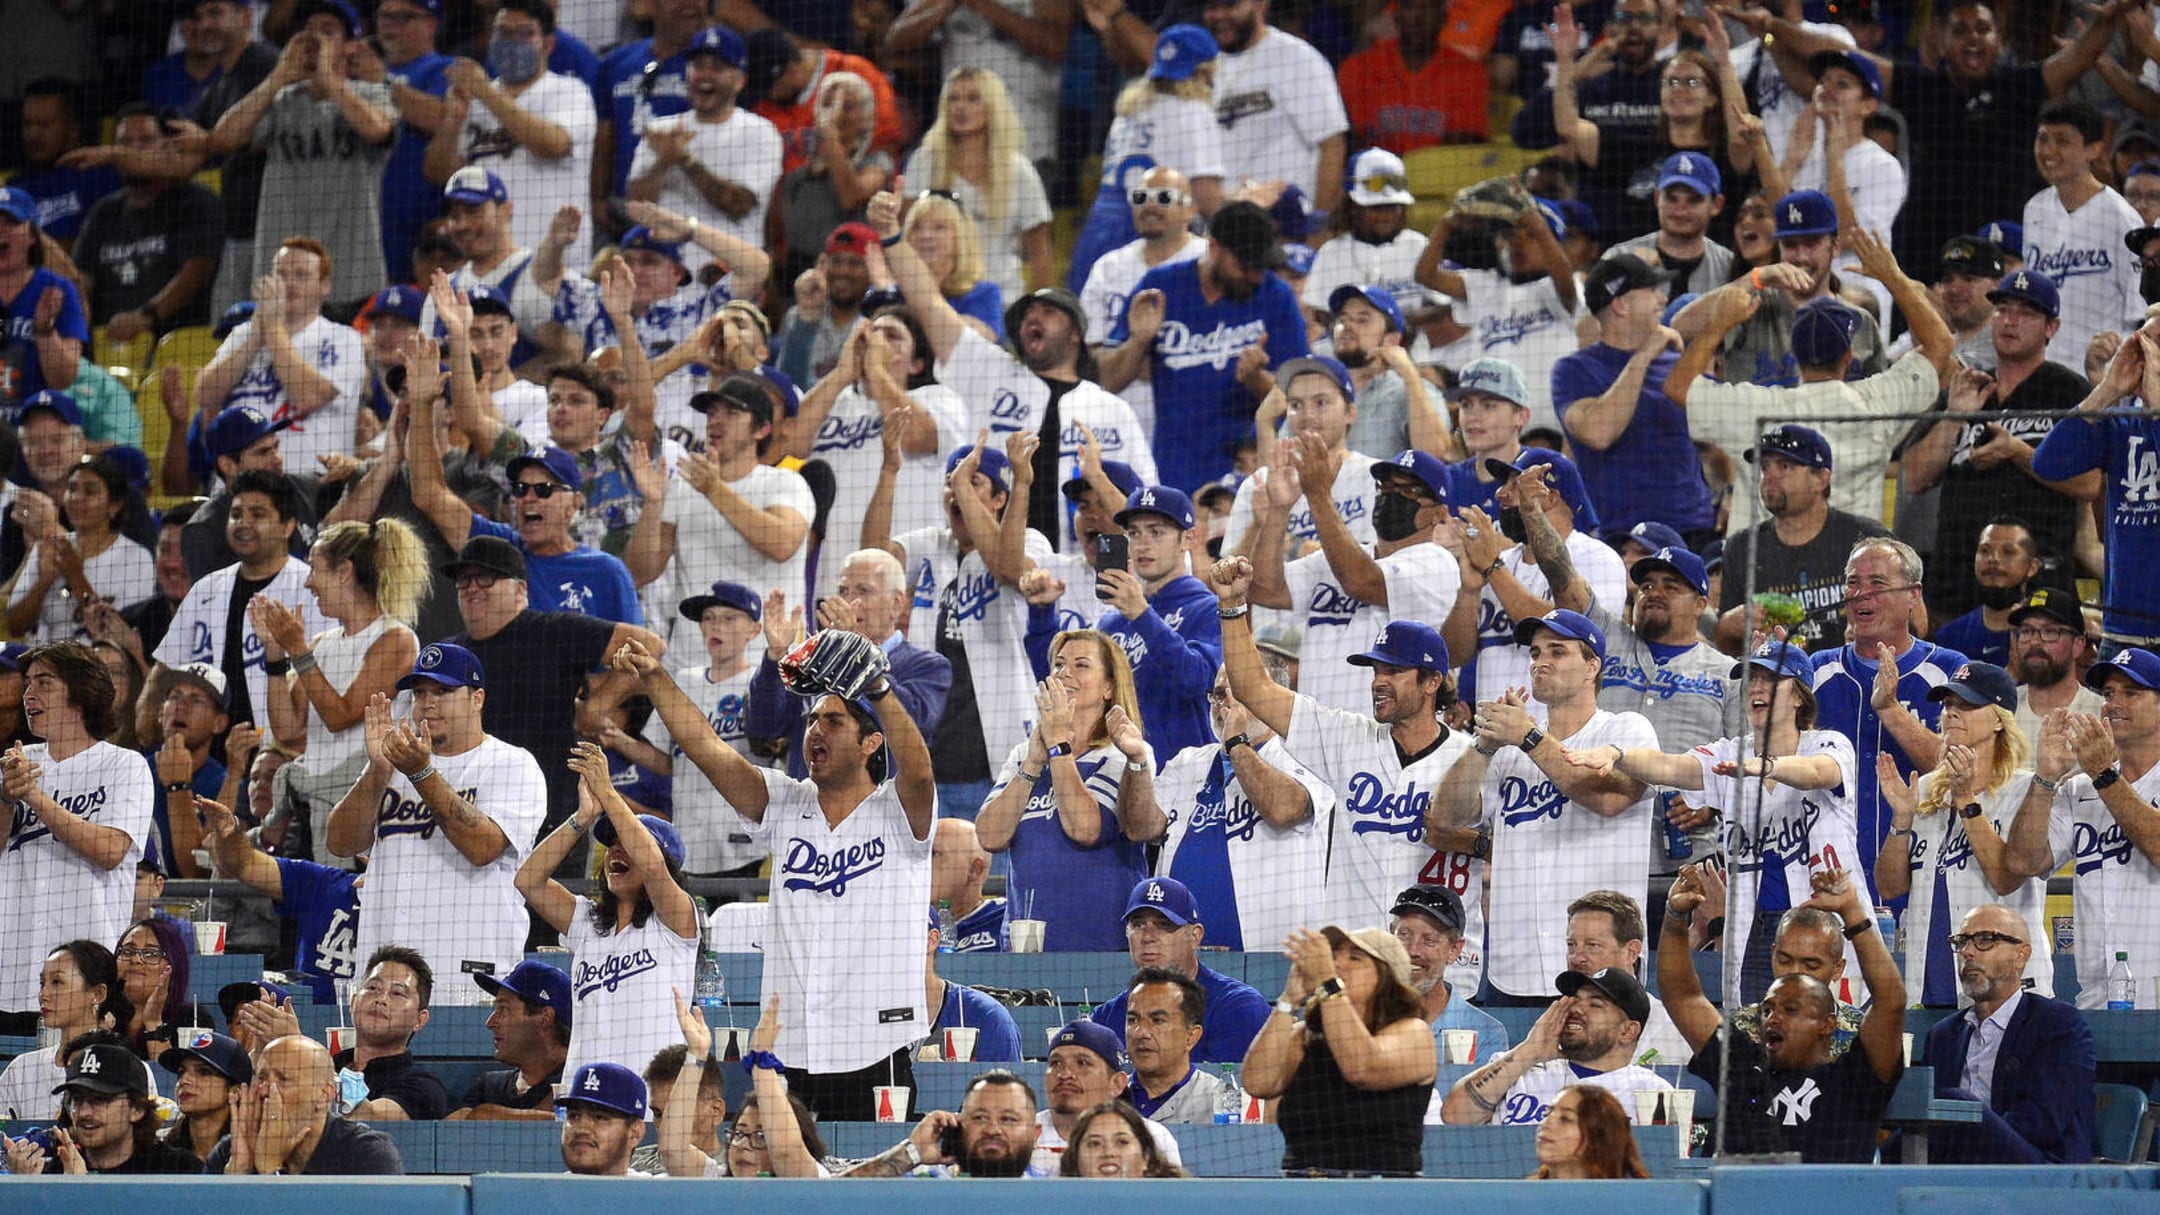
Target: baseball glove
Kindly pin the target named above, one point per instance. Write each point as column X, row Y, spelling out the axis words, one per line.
column 848, row 665
column 1499, row 199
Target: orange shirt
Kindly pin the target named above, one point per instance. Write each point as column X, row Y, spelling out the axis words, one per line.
column 1391, row 107
column 797, row 120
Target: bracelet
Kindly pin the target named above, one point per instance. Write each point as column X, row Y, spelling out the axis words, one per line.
column 1754, row 278
column 894, row 239
column 177, row 786
column 576, row 827
column 1030, row 777
column 914, row 1154
column 1284, row 1007
column 1492, row 569
column 301, row 663
column 415, row 779
column 1231, row 613
column 1854, row 932
column 276, row 667
column 1769, row 767
column 2049, row 785
column 762, row 1058
column 1054, row 750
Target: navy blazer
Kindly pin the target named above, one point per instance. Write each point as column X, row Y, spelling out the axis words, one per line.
column 920, row 678
column 2043, row 1075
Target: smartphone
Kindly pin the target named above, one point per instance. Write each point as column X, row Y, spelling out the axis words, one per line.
column 949, row 1139
column 1111, row 553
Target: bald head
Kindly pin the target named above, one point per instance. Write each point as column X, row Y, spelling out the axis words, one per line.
column 302, row 1071
column 958, row 864
column 1998, row 947
column 1153, row 219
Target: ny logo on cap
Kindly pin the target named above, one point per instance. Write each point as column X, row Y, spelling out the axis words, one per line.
column 1155, row 893
column 592, row 1082
column 1792, row 214
column 431, row 657
column 89, row 1064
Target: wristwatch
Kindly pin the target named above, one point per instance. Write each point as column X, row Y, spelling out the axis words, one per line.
column 1327, row 989
column 1854, row 932
column 1235, row 741
column 2106, row 778
column 1531, row 740
column 1285, row 1007
column 1969, row 810
column 1056, row 749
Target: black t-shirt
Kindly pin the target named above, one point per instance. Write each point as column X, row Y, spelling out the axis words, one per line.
column 237, row 705
column 1046, row 505
column 501, row 1088
column 240, row 186
column 1624, row 108
column 1829, row 1114
column 401, row 1080
column 1526, row 34
column 159, row 1157
column 1972, row 143
column 960, row 757
column 1813, row 573
column 1970, row 497
column 151, row 618
column 534, row 669
column 131, row 253
column 346, row 1149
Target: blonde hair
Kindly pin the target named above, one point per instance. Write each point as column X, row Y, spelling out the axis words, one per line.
column 1141, row 93
column 1001, row 124
column 967, row 241
column 857, row 89
column 1115, row 666
column 389, row 563
column 2011, row 751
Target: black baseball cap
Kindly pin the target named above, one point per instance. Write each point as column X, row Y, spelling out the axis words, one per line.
column 1247, row 232
column 2054, row 603
column 1444, row 906
column 1618, row 985
column 1615, row 275
column 489, row 555
column 1973, row 256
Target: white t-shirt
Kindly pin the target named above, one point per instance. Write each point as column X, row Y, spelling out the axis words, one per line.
column 844, row 948
column 538, row 188
column 1422, row 581
column 1169, row 131
column 197, row 632
column 1028, row 207
column 1529, row 1098
column 1501, row 664
column 1376, row 841
column 969, row 40
column 338, row 355
column 26, row 1087
column 1005, row 396
column 744, row 148
column 55, row 894
column 1795, row 833
column 421, row 891
column 1110, row 283
column 622, row 988
column 1049, row 1145
column 1276, row 871
column 989, row 621
column 2116, row 896
column 851, row 441
column 1277, row 102
column 1773, row 99
column 1548, row 851
column 125, row 574
column 1346, row 259
column 715, row 838
column 1524, row 323
column 2096, row 275
column 708, row 548
column 1354, row 492
column 529, row 305
column 1876, row 182
column 1943, row 846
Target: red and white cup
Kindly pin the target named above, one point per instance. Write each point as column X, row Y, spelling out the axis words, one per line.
column 339, row 1037
column 209, row 937
column 892, row 1102
column 960, row 1044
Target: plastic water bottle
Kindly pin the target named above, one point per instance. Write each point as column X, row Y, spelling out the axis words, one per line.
column 711, row 981
column 1230, row 1102
column 948, row 926
column 2122, row 985
column 1678, row 847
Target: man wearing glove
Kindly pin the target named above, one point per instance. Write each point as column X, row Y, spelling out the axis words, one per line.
column 1524, row 311
column 851, row 864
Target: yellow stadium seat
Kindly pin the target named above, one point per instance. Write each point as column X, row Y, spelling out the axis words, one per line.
column 124, row 361
column 1437, row 172
column 189, row 349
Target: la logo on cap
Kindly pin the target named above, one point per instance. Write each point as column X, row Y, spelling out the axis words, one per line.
column 1684, row 165
column 89, row 1064
column 1169, row 50
column 1792, row 214
column 1406, row 460
column 1154, row 892
column 1964, row 672
column 2123, row 659
column 1994, row 233
column 2020, row 282
column 431, row 658
column 592, row 1082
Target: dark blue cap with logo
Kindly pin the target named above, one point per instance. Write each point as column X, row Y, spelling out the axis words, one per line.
column 722, row 41
column 1180, row 50
column 1806, row 213
column 1086, row 1034
column 474, row 185
column 1800, row 444
column 1429, row 469
column 1120, row 473
column 485, row 299
column 2031, row 288
column 213, row 1050
column 1694, row 170
column 1170, row 503
column 399, row 301
column 239, row 427
column 552, row 460
column 451, row 666
column 1372, row 293
column 610, row 1086
column 534, row 981
column 1653, row 535
column 1565, row 480
column 1574, row 626
column 233, row 317
column 641, row 237
column 1320, row 365
column 19, row 205
column 663, row 833
column 1852, row 61
column 1676, row 560
column 1979, row 683
column 724, row 594
column 2141, row 667
column 2004, row 235
column 1165, row 895
column 993, row 465
column 1783, row 658
column 1405, row 643
column 54, row 402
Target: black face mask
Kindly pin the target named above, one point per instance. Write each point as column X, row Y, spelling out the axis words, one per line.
column 1511, row 524
column 2149, row 285
column 2000, row 597
column 1394, row 517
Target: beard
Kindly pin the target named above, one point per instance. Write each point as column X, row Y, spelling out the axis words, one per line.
column 2000, row 597
column 1013, row 1165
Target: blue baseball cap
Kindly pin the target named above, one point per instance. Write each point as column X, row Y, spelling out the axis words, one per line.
column 1694, row 170
column 1166, row 895
column 1565, row 480
column 474, row 185
column 722, row 41
column 1406, row 643
column 399, row 301
column 724, row 594
column 1318, row 364
column 54, row 402
column 1120, row 473
column 1170, row 503
column 663, row 833
column 233, row 317
column 1822, row 331
column 1800, row 444
column 484, row 299
column 132, row 463
column 1676, row 560
column 552, row 460
column 1298, row 257
column 344, row 13
column 535, row 981
column 1553, row 219
column 213, row 1050
column 2141, row 667
column 1852, row 61
column 19, row 205
column 1372, row 293
column 610, row 1086
column 1574, row 626
column 2031, row 288
column 451, row 666
column 641, row 237
column 2004, row 235
column 1580, row 218
column 1090, row 1036
column 1429, row 469
column 1180, row 50
column 1979, row 683
column 993, row 465
column 779, row 381
column 1653, row 535
column 11, row 656
column 1806, row 213
column 1785, row 659
column 1493, row 377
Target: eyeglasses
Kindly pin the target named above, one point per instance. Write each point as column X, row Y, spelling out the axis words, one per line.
column 149, row 954
column 748, row 1139
column 1374, row 183
column 483, row 581
column 1161, row 196
column 542, row 490
column 1693, row 84
column 1980, row 942
column 2028, row 633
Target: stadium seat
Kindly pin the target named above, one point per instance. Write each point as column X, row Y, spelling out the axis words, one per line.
column 1437, row 172
column 126, row 361
column 190, row 349
column 2122, row 1122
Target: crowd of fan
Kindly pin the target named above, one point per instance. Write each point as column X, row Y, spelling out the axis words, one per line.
column 973, row 569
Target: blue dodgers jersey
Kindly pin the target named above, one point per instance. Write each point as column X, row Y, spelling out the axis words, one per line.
column 324, row 906
column 1202, row 411
column 22, row 374
column 1843, row 681
column 639, row 90
column 2127, row 448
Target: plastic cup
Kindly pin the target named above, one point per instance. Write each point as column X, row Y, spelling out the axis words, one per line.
column 1651, row 1105
column 1027, row 936
column 188, row 1035
column 1458, row 1045
column 1908, row 1050
column 339, row 1037
column 960, row 1044
column 1680, row 1107
column 209, row 937
column 892, row 1102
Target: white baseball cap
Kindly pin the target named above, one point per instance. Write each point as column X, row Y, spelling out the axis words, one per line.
column 1378, row 179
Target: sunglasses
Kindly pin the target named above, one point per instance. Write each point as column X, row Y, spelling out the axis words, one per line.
column 1374, row 183
column 542, row 490
column 1161, row 196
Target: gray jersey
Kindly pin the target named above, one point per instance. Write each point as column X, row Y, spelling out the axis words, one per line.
column 1690, row 699
column 323, row 181
column 1194, row 1101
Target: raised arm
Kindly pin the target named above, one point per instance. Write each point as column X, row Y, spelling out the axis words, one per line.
column 1272, row 703
column 677, row 910
column 941, row 323
column 550, row 899
column 1578, row 134
column 1717, row 314
column 736, row 779
column 430, row 491
column 1882, row 1031
column 1679, row 986
column 1127, row 361
column 1930, row 332
column 2026, row 850
column 1474, row 1099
